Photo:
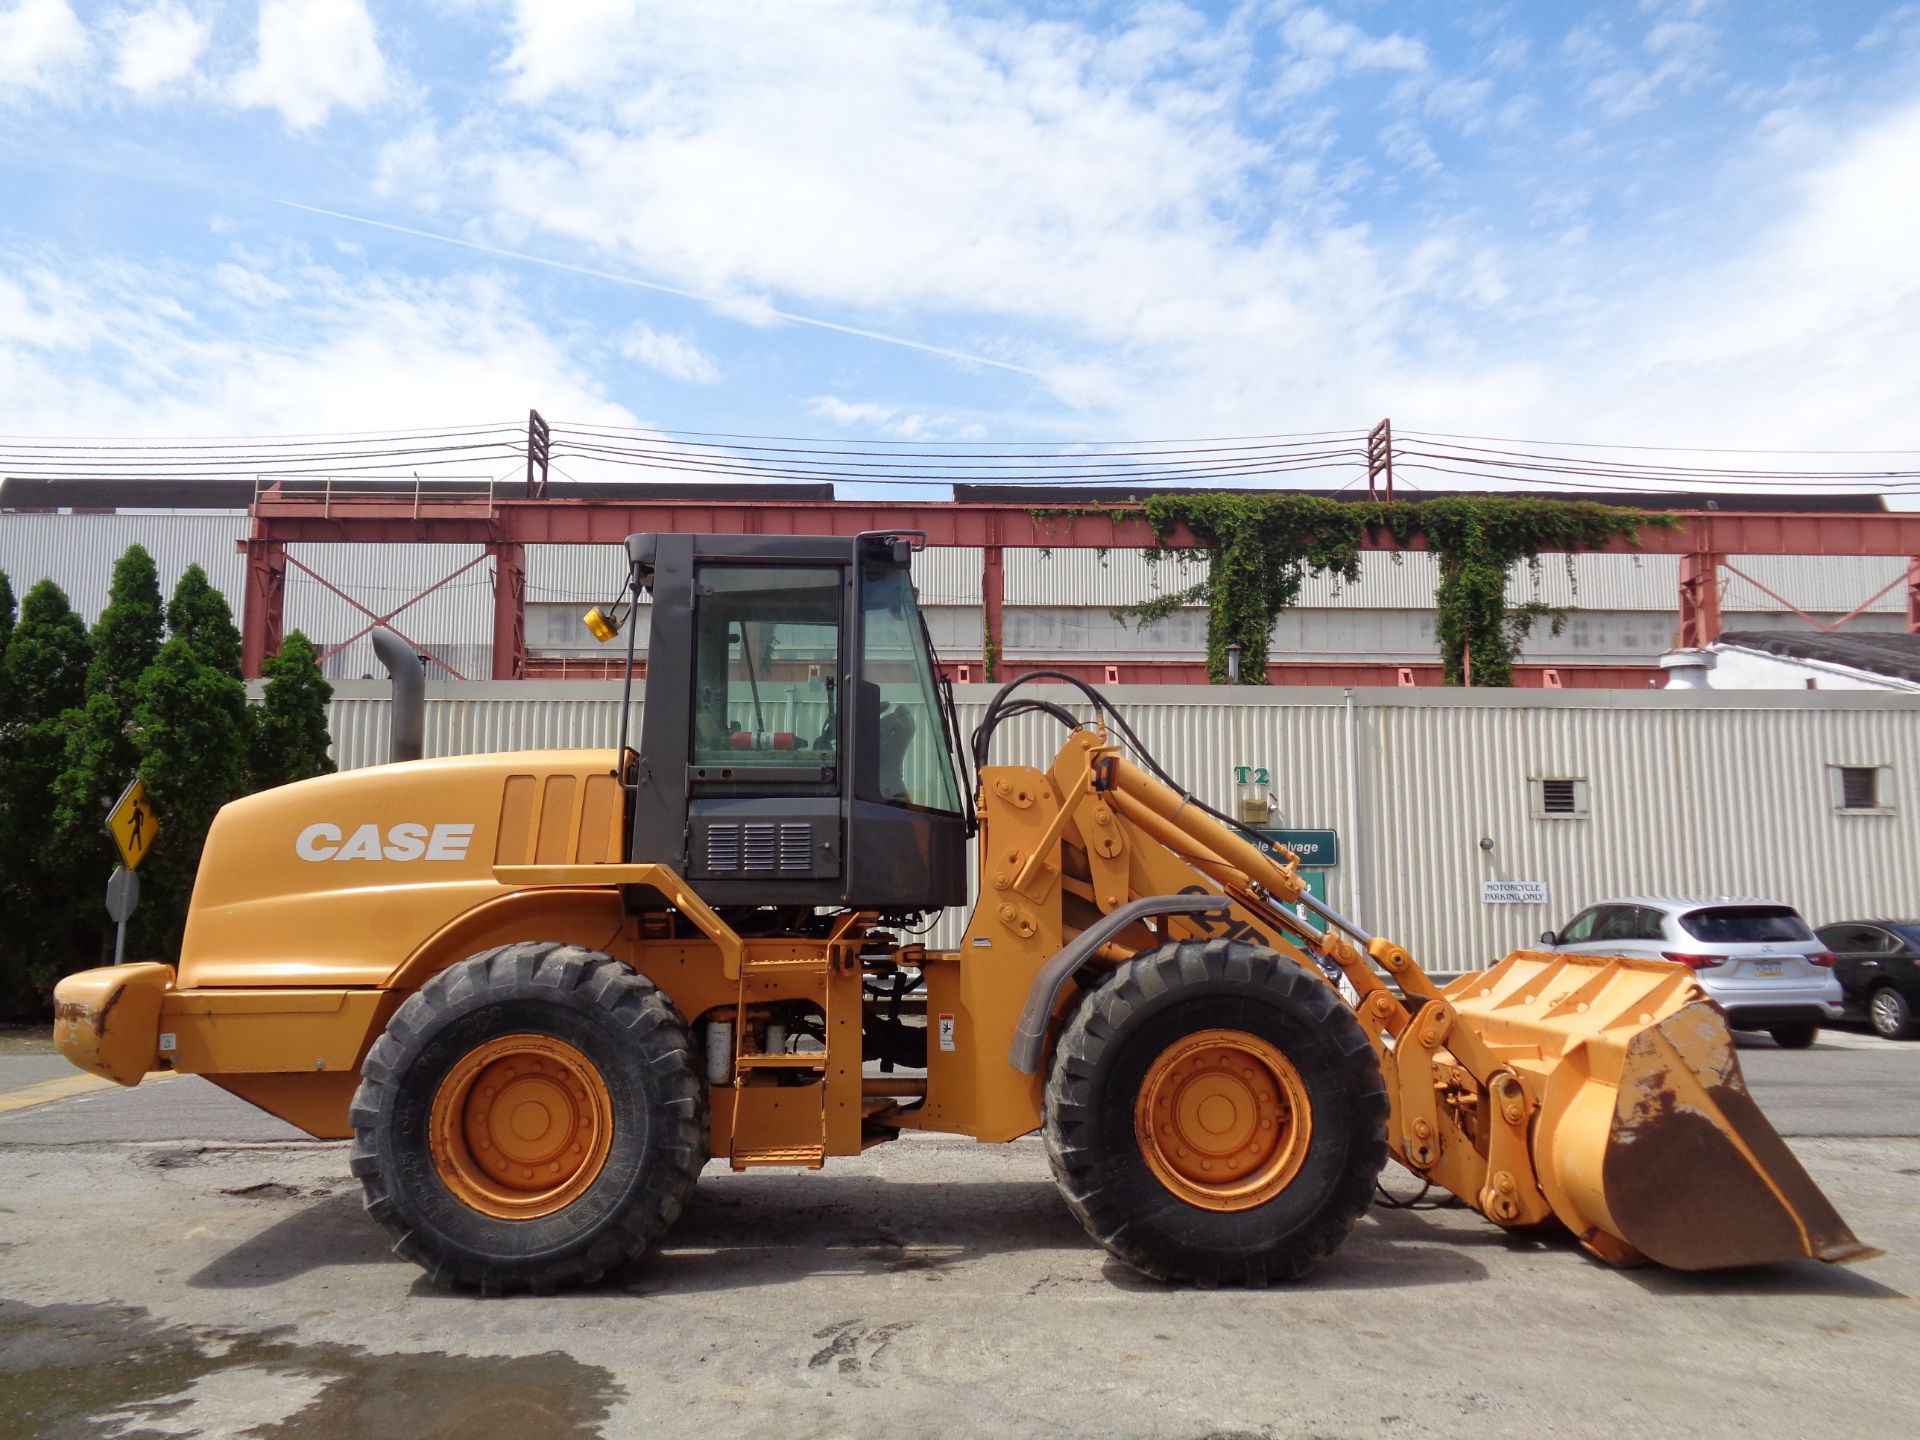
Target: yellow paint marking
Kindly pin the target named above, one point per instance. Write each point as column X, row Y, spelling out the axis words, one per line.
column 47, row 1091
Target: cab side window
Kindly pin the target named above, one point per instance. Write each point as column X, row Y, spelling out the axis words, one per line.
column 766, row 655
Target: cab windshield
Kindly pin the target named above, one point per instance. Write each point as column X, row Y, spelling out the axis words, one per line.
column 915, row 768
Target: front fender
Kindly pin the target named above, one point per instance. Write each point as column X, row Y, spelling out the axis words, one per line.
column 107, row 1021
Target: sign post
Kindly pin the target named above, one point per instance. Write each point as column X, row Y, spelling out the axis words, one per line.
column 123, row 893
column 131, row 824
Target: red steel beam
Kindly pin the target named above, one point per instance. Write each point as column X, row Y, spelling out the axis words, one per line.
column 509, row 610
column 1699, row 600
column 608, row 522
column 1194, row 672
column 504, row 525
column 263, row 604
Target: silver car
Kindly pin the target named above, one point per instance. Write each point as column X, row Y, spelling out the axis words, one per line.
column 1757, row 958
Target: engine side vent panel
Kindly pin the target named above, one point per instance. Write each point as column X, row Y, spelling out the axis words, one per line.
column 723, row 849
column 761, row 854
column 796, row 848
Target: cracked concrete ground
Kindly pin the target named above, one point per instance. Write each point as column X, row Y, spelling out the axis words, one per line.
column 174, row 1264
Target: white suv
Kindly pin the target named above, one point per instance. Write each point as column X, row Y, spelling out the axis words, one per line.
column 1757, row 958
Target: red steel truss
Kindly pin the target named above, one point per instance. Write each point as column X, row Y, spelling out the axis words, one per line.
column 506, row 526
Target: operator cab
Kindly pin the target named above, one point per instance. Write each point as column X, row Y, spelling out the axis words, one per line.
column 792, row 703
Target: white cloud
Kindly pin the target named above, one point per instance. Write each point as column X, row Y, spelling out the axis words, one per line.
column 1320, row 49
column 1676, row 55
column 1407, row 143
column 573, row 46
column 314, row 56
column 894, row 421
column 1898, row 28
column 899, row 159
column 675, row 356
column 42, row 46
column 413, row 166
column 1804, row 336
column 157, row 47
column 1313, row 32
column 259, row 347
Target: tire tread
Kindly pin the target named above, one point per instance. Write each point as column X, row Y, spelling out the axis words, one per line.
column 1071, row 1126
column 582, row 979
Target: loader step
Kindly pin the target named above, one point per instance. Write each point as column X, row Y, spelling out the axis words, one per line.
column 817, row 1060
column 787, row 962
column 810, row 1156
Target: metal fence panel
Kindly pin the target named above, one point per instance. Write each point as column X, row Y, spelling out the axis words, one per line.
column 1694, row 794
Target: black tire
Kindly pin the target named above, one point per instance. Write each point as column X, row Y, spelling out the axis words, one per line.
column 1155, row 1001
column 654, row 1093
column 1890, row 1014
column 1799, row 1035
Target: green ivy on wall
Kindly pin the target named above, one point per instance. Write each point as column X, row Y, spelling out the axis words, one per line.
column 1264, row 546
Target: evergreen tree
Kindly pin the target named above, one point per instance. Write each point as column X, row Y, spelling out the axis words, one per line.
column 43, row 676
column 191, row 730
column 290, row 739
column 6, row 614
column 100, row 752
column 199, row 614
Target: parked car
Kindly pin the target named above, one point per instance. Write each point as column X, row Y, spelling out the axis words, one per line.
column 1878, row 965
column 1757, row 958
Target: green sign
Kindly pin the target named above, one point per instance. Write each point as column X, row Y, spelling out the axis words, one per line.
column 1317, row 849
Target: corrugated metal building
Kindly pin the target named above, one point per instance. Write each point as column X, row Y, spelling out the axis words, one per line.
column 1675, row 792
column 1058, row 604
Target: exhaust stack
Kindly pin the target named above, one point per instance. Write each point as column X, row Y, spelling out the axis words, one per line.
column 409, row 677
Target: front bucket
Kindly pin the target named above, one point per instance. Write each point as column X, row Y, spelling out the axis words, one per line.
column 1694, row 1176
column 1647, row 1143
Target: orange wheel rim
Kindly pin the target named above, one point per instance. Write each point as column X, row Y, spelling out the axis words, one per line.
column 1223, row 1120
column 521, row 1126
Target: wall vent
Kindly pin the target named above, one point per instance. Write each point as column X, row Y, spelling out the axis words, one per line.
column 1559, row 797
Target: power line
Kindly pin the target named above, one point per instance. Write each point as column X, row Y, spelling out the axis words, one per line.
column 403, row 454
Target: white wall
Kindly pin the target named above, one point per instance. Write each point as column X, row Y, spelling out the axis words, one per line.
column 1739, row 669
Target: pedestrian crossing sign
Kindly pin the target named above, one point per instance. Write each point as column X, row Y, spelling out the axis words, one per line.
column 132, row 824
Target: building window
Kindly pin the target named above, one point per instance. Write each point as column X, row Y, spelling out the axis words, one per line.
column 1559, row 797
column 1862, row 789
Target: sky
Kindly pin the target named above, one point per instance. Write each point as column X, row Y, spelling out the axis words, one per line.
column 1664, row 222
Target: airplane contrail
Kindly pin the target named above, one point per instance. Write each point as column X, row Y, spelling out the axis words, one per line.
column 719, row 302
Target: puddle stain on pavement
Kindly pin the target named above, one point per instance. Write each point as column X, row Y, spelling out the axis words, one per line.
column 88, row 1372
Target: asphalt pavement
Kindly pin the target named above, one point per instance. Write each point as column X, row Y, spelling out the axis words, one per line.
column 173, row 1263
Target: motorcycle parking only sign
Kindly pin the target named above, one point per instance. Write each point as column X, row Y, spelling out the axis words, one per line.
column 1513, row 892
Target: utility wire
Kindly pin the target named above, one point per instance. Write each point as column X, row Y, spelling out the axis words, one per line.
column 1270, row 461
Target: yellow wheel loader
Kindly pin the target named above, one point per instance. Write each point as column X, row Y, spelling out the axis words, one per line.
column 538, row 990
